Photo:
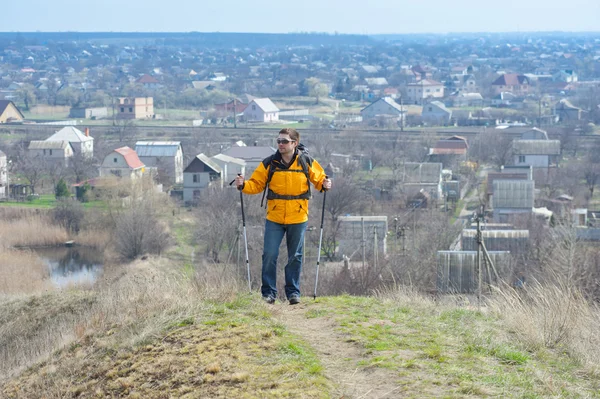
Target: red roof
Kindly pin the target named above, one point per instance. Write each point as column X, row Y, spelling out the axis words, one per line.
column 131, row 157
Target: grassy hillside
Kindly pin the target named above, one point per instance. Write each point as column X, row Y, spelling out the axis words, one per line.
column 167, row 326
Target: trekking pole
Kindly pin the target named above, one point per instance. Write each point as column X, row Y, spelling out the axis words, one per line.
column 245, row 237
column 320, row 241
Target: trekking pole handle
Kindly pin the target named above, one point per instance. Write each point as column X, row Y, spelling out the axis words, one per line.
column 233, row 181
column 324, row 189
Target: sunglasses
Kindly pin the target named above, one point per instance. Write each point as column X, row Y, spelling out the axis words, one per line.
column 284, row 141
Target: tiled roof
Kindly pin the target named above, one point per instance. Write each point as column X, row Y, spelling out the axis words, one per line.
column 131, row 157
column 147, row 79
column 511, row 79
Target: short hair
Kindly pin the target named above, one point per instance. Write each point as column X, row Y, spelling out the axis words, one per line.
column 294, row 135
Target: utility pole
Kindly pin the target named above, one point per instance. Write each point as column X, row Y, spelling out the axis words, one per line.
column 362, row 241
column 375, row 247
column 401, row 114
column 479, row 278
column 234, row 114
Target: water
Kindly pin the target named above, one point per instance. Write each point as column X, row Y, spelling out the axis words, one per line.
column 71, row 265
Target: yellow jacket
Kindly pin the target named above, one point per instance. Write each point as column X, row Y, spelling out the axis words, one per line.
column 289, row 181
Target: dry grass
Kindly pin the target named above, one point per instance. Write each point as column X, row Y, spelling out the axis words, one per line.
column 552, row 315
column 129, row 306
column 21, row 272
column 32, row 231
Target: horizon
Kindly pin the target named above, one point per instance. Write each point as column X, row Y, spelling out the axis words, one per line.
column 344, row 17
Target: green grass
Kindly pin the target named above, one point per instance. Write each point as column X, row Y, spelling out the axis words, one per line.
column 463, row 350
column 43, row 201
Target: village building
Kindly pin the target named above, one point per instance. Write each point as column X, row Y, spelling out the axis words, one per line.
column 135, row 108
column 165, row 156
column 261, row 110
column 512, row 82
column 122, row 162
column 52, row 152
column 81, row 142
column 200, row 174
column 423, row 91
column 9, row 113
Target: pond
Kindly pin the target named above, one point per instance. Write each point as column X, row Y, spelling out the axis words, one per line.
column 71, row 265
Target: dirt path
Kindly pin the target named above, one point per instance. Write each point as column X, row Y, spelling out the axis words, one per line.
column 339, row 357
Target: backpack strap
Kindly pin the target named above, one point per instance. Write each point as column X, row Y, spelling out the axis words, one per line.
column 304, row 160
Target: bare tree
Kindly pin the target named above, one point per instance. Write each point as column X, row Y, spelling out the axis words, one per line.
column 139, row 231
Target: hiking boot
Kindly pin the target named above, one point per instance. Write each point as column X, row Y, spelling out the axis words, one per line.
column 294, row 299
column 269, row 299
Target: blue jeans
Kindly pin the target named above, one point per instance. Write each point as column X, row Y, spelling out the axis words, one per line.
column 295, row 244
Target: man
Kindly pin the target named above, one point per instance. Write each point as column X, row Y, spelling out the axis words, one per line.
column 285, row 176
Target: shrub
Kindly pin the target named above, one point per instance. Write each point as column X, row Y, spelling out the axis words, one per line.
column 138, row 232
column 69, row 213
column 61, row 190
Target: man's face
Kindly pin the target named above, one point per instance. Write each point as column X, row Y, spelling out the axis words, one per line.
column 285, row 144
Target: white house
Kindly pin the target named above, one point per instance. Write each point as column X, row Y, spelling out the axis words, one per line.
column 122, row 162
column 230, row 166
column 166, row 156
column 252, row 155
column 3, row 175
column 426, row 176
column 436, row 113
column 51, row 151
column 200, row 174
column 422, row 90
column 261, row 110
column 537, row 153
column 385, row 106
column 82, row 143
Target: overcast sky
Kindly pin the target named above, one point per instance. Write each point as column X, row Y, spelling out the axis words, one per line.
column 284, row 16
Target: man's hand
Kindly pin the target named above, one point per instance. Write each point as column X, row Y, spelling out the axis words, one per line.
column 239, row 182
column 327, row 184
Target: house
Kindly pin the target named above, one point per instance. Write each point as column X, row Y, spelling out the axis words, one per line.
column 149, row 82
column 203, row 85
column 467, row 100
column 567, row 112
column 135, row 108
column 82, row 143
column 201, row 173
column 534, row 134
column 3, row 175
column 425, row 176
column 88, row 113
column 513, row 83
column 449, row 151
column 230, row 166
column 252, row 155
column 384, row 107
column 504, row 99
column 217, row 77
column 565, row 75
column 56, row 152
column 512, row 197
column 261, row 110
column 122, row 162
column 537, row 153
column 465, row 83
column 235, row 106
column 503, row 175
column 436, row 113
column 376, row 82
column 9, row 113
column 425, row 89
column 166, row 156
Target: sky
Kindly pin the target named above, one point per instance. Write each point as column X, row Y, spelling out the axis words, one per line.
column 268, row 16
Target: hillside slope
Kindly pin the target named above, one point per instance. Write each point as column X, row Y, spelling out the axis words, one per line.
column 391, row 346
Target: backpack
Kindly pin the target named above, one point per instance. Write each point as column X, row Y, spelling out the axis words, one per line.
column 303, row 159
